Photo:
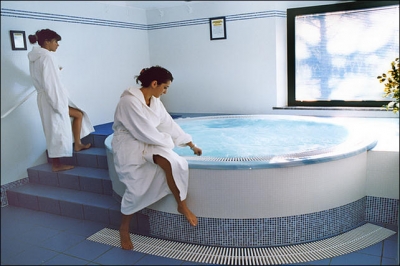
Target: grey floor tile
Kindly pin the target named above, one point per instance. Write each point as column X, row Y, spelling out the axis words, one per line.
column 62, row 241
column 118, row 256
column 34, row 237
column 86, row 228
column 356, row 259
column 156, row 260
column 319, row 262
column 390, row 249
column 39, row 234
column 88, row 250
column 12, row 246
column 15, row 229
column 62, row 259
column 387, row 261
column 61, row 223
column 33, row 256
column 375, row 250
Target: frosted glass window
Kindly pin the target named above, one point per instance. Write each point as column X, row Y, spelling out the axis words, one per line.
column 338, row 55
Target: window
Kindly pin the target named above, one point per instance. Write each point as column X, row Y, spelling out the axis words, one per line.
column 335, row 53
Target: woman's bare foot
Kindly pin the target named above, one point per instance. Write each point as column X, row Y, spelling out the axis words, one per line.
column 125, row 238
column 80, row 146
column 182, row 208
column 61, row 167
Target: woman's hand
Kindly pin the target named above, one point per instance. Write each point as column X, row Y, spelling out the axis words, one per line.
column 197, row 150
column 194, row 148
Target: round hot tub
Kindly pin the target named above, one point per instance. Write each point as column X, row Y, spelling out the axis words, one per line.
column 265, row 180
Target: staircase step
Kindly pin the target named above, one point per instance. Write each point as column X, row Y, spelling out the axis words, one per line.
column 66, row 202
column 93, row 157
column 99, row 135
column 80, row 178
column 97, row 140
column 84, row 192
column 75, row 204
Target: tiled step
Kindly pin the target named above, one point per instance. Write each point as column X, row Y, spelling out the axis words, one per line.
column 101, row 133
column 66, row 202
column 96, row 140
column 80, row 178
column 84, row 192
column 93, row 157
column 75, row 204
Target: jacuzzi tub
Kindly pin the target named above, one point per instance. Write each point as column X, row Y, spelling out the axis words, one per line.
column 269, row 199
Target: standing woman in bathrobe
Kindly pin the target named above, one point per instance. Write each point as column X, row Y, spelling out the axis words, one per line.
column 144, row 136
column 55, row 107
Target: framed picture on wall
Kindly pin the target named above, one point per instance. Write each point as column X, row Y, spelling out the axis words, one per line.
column 18, row 40
column 217, row 28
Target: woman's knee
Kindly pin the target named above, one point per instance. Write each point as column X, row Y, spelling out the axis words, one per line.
column 75, row 113
column 161, row 161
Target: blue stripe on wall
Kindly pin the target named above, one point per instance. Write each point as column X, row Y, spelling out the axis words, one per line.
column 69, row 19
column 112, row 23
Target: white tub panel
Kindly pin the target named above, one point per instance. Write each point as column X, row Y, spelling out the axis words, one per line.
column 276, row 192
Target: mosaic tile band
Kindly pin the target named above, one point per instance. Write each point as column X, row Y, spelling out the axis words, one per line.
column 271, row 231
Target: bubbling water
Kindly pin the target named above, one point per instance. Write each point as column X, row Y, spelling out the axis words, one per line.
column 258, row 136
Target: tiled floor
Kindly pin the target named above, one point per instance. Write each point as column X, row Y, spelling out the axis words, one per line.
column 36, row 238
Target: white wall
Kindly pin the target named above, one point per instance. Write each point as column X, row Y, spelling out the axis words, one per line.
column 244, row 74
column 99, row 62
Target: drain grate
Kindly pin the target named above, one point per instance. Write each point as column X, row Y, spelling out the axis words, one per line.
column 356, row 239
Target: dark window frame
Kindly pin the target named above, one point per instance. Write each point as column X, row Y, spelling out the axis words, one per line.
column 291, row 57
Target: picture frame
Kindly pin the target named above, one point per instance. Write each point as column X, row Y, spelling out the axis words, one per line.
column 217, row 28
column 18, row 40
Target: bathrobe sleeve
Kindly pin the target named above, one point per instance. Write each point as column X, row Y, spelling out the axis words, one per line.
column 169, row 126
column 133, row 116
column 57, row 96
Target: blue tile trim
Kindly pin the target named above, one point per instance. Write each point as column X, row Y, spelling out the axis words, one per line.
column 4, row 188
column 382, row 210
column 273, row 231
column 5, row 12
column 263, row 232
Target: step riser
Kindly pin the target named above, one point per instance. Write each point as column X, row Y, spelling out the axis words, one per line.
column 111, row 217
column 90, row 175
column 70, row 181
column 85, row 159
column 96, row 140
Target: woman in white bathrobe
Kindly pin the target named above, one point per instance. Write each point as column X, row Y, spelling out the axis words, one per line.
column 55, row 107
column 144, row 136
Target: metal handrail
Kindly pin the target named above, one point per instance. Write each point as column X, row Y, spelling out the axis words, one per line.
column 17, row 105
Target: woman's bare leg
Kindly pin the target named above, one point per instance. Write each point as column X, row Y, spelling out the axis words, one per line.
column 57, row 166
column 182, row 207
column 124, row 235
column 76, row 129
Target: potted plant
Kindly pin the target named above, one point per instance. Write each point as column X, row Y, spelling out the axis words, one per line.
column 392, row 86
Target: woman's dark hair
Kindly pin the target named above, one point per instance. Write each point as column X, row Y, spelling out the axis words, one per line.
column 157, row 73
column 42, row 35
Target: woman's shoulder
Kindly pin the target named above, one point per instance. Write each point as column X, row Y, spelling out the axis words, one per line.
column 130, row 95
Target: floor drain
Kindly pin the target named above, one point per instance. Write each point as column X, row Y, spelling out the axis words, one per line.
column 356, row 239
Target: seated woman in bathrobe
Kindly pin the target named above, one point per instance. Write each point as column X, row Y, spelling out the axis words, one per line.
column 55, row 107
column 144, row 137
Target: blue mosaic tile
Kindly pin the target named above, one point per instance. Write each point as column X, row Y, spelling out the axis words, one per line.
column 277, row 231
column 382, row 210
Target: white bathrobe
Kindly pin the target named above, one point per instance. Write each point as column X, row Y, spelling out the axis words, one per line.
column 53, row 101
column 139, row 133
